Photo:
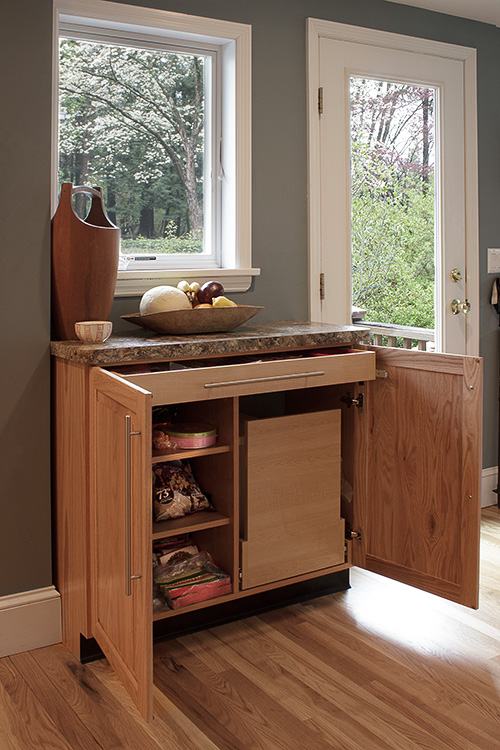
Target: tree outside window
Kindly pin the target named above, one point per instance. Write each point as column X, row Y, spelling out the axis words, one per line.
column 132, row 121
column 392, row 199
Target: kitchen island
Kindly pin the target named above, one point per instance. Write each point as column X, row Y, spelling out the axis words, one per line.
column 298, row 408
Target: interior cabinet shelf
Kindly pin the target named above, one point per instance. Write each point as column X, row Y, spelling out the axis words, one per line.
column 177, row 455
column 204, row 519
column 163, row 614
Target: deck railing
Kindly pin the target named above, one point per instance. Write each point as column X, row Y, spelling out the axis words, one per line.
column 403, row 337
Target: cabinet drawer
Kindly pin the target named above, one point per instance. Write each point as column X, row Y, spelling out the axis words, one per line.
column 220, row 381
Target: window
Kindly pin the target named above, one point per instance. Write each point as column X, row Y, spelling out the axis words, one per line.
column 154, row 107
column 393, row 201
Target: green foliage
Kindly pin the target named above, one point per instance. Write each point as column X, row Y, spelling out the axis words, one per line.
column 188, row 243
column 393, row 251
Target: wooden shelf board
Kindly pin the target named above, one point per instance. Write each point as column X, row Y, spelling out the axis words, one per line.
column 177, row 455
column 163, row 614
column 204, row 519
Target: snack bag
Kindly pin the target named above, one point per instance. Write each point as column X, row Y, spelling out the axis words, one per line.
column 176, row 492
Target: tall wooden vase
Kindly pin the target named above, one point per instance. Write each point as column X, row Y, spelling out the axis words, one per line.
column 84, row 262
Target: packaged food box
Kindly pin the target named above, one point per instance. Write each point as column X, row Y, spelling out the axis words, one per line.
column 192, row 434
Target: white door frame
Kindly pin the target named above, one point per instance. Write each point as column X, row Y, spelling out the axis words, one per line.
column 316, row 29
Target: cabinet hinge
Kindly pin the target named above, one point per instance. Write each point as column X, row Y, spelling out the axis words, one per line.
column 380, row 373
column 240, row 574
column 351, row 401
column 357, row 534
column 322, row 286
column 320, row 100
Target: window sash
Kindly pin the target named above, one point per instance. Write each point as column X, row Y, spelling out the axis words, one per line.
column 212, row 167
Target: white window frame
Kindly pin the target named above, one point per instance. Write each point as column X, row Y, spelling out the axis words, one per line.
column 232, row 43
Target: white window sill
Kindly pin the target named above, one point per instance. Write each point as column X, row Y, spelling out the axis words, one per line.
column 135, row 283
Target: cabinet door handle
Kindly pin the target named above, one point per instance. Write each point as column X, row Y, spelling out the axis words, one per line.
column 128, row 510
column 292, row 376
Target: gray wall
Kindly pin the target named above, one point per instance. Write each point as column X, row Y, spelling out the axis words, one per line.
column 279, row 220
column 25, row 85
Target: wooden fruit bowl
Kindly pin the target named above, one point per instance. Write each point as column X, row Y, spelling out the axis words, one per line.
column 201, row 320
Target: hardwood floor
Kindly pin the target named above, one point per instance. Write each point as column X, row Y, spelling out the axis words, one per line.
column 378, row 667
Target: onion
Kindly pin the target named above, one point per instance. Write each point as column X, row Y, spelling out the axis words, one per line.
column 163, row 298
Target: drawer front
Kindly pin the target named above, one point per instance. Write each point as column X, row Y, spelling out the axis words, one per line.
column 179, row 386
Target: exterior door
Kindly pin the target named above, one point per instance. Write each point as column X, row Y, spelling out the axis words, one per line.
column 420, row 516
column 121, row 532
column 340, row 57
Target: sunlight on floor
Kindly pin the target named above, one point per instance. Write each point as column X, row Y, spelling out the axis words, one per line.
column 402, row 614
column 428, row 624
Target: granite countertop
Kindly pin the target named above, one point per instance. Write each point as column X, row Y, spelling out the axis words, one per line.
column 147, row 346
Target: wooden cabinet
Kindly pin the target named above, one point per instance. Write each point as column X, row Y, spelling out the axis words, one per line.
column 404, row 426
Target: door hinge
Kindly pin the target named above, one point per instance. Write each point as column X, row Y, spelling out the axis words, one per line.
column 320, row 100
column 240, row 574
column 322, row 286
column 380, row 373
column 357, row 534
column 351, row 401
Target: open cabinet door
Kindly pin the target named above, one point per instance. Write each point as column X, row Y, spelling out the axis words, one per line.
column 121, row 532
column 423, row 471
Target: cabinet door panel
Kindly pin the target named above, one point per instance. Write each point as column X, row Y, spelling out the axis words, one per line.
column 121, row 526
column 423, row 472
column 291, row 520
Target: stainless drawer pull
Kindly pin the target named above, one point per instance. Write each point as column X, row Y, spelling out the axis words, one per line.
column 128, row 498
column 266, row 380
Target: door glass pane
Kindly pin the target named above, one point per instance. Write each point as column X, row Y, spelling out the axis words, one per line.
column 393, row 202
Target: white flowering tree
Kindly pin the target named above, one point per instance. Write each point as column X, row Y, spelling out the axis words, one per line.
column 132, row 121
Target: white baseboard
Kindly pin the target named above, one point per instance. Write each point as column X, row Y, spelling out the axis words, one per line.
column 30, row 619
column 488, row 484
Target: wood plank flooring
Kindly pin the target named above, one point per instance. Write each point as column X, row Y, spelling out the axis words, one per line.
column 378, row 667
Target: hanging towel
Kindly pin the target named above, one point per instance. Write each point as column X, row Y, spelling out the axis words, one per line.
column 495, row 295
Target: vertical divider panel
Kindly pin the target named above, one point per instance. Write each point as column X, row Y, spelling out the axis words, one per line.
column 218, row 475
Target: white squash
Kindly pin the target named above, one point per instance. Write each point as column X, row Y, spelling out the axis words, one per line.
column 163, row 298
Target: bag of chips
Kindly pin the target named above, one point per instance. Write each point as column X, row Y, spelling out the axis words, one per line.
column 176, row 492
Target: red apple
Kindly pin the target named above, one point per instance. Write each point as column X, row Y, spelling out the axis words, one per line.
column 208, row 291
